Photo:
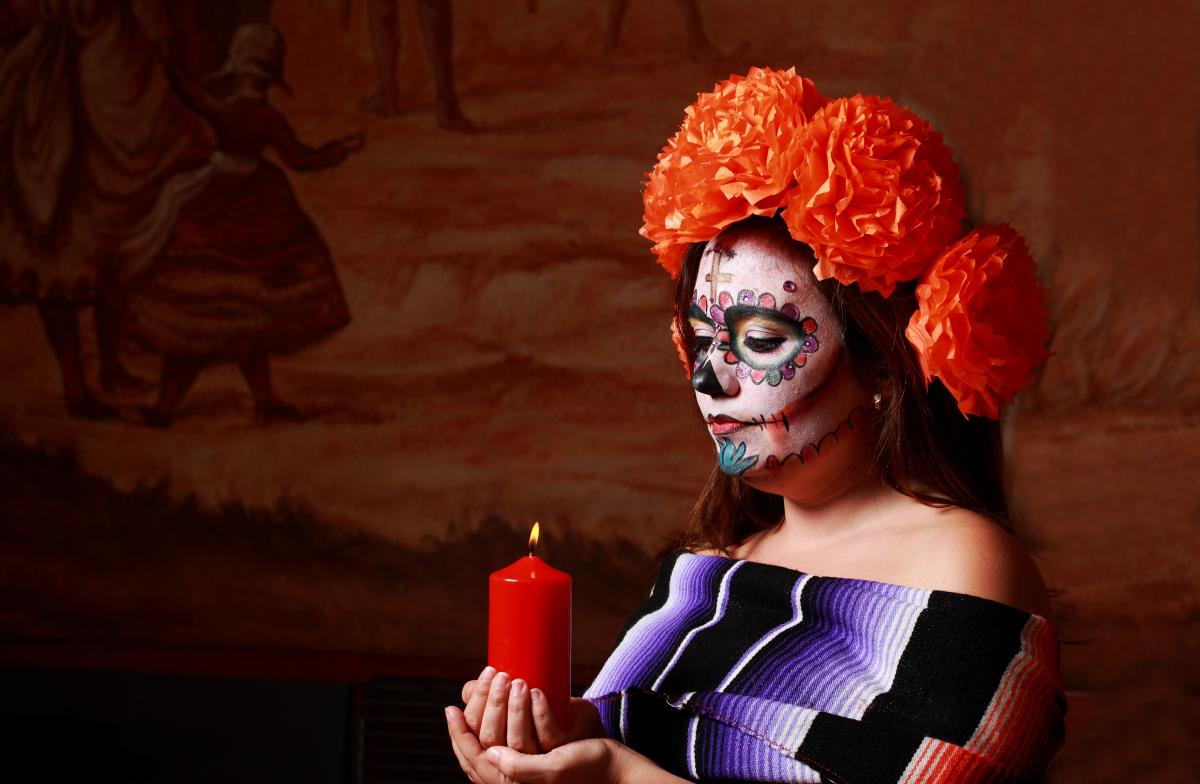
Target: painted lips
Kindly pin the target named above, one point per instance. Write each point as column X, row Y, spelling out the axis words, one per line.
column 722, row 425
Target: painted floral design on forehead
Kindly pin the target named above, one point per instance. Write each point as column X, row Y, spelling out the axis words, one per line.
column 764, row 341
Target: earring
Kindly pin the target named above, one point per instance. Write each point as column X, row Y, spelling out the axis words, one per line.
column 878, row 401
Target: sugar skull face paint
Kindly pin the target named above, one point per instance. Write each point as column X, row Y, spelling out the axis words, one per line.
column 771, row 376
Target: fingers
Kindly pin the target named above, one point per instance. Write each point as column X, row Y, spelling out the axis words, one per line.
column 478, row 698
column 471, row 755
column 549, row 734
column 520, row 720
column 466, row 766
column 470, row 686
column 460, row 742
column 492, row 727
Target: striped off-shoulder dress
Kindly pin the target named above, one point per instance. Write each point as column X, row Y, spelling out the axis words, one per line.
column 736, row 670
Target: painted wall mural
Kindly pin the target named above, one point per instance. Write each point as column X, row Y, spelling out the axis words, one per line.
column 314, row 306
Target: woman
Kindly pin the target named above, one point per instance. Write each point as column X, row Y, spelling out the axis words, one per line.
column 228, row 268
column 844, row 602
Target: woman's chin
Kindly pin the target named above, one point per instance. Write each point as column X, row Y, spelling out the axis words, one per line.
column 781, row 482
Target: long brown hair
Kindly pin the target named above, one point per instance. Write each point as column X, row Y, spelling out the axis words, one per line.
column 926, row 449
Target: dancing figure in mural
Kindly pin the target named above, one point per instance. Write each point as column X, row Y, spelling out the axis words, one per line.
column 228, row 268
column 89, row 131
column 436, row 19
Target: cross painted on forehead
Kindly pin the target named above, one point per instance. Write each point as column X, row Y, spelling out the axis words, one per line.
column 718, row 250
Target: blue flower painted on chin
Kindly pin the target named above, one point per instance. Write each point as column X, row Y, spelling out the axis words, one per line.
column 732, row 460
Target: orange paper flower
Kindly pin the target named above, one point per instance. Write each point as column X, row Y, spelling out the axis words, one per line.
column 981, row 324
column 733, row 156
column 677, row 339
column 877, row 194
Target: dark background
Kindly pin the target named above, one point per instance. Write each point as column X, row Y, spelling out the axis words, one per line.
column 227, row 600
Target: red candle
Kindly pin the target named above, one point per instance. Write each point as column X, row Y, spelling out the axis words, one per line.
column 529, row 627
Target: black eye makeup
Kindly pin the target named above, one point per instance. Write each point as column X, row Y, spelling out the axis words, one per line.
column 766, row 344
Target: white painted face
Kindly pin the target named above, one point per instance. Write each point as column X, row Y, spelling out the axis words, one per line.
column 772, row 378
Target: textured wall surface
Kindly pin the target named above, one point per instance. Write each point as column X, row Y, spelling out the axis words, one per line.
column 508, row 358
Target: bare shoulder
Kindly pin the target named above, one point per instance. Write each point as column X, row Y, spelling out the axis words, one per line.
column 965, row 552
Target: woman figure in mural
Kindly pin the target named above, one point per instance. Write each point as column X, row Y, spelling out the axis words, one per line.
column 81, row 165
column 844, row 602
column 228, row 268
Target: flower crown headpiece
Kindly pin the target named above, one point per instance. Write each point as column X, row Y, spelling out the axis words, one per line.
column 873, row 190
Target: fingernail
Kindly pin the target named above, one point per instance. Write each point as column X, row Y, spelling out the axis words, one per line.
column 494, row 753
column 518, row 686
column 500, row 681
column 488, row 672
column 448, row 714
column 536, row 694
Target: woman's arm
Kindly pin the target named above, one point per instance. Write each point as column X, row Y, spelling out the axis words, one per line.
column 300, row 157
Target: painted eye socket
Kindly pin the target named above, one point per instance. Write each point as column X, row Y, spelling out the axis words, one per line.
column 701, row 344
column 765, row 339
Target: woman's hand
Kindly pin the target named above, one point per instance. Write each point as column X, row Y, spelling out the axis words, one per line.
column 341, row 148
column 500, row 712
column 593, row 760
column 353, row 143
column 582, row 762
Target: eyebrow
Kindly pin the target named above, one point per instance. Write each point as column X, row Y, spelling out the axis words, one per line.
column 738, row 313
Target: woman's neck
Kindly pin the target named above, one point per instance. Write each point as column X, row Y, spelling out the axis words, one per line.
column 839, row 515
column 857, row 496
column 813, row 534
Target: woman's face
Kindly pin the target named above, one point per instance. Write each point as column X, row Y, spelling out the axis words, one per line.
column 771, row 375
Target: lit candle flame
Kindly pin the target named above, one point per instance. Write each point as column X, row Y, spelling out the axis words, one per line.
column 533, row 537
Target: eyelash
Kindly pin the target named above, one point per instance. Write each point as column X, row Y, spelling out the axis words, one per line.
column 703, row 343
column 762, row 345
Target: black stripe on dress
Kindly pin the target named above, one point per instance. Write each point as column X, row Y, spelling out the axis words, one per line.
column 854, row 752
column 658, row 730
column 958, row 652
column 715, row 651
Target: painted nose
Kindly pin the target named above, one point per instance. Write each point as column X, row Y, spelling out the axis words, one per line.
column 705, row 380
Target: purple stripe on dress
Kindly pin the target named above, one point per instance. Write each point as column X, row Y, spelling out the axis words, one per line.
column 729, row 750
column 649, row 645
column 783, row 726
column 842, row 658
column 866, row 667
